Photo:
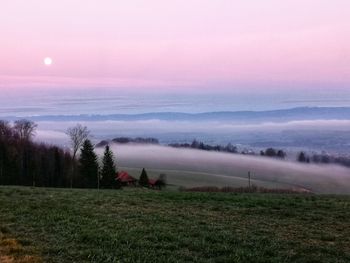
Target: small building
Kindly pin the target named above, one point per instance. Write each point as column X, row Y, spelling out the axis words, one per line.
column 125, row 179
column 152, row 182
column 156, row 183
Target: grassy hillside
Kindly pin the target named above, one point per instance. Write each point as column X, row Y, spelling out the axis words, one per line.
column 135, row 225
column 178, row 178
column 187, row 167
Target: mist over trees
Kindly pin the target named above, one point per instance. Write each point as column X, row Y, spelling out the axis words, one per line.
column 272, row 152
column 207, row 147
column 23, row 162
column 323, row 158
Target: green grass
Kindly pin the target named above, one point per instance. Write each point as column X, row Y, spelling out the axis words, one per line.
column 181, row 178
column 135, row 225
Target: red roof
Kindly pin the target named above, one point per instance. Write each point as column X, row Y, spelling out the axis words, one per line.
column 152, row 181
column 125, row 177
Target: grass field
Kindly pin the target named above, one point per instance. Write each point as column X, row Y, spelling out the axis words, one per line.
column 136, row 225
column 181, row 178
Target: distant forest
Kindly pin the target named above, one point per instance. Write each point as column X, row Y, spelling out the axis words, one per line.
column 302, row 157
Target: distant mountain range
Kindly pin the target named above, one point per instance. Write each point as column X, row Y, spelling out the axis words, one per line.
column 301, row 113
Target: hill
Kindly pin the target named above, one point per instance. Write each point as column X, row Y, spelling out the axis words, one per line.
column 190, row 168
column 280, row 115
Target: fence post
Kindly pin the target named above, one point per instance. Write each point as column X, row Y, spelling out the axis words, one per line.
column 249, row 179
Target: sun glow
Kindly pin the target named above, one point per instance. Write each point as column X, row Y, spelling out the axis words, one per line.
column 47, row 61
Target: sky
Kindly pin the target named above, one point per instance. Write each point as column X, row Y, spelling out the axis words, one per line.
column 179, row 45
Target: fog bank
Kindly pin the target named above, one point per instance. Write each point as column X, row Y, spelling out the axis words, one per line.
column 317, row 178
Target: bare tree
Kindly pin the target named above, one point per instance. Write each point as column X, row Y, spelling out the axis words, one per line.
column 77, row 134
column 25, row 129
column 5, row 130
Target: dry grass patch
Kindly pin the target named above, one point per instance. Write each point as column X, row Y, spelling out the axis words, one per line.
column 11, row 251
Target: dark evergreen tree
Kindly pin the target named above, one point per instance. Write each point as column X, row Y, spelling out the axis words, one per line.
column 88, row 166
column 270, row 152
column 144, row 178
column 108, row 171
column 58, row 166
column 281, row 154
column 302, row 157
column 195, row 144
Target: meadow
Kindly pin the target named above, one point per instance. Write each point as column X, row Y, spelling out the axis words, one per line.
column 141, row 225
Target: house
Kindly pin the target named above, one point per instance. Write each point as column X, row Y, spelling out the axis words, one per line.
column 125, row 179
column 156, row 183
column 152, row 183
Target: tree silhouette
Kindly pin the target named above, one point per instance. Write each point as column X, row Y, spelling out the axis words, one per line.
column 144, row 178
column 108, row 170
column 24, row 162
column 25, row 129
column 302, row 157
column 271, row 152
column 88, row 166
column 281, row 154
column 77, row 135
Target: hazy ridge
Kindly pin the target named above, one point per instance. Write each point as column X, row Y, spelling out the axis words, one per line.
column 282, row 115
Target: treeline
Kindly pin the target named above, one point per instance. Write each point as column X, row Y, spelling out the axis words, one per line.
column 272, row 152
column 302, row 157
column 229, row 148
column 23, row 162
column 207, row 147
column 125, row 140
column 323, row 158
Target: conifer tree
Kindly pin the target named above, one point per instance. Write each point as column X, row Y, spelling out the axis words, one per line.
column 108, row 171
column 143, row 178
column 302, row 157
column 88, row 168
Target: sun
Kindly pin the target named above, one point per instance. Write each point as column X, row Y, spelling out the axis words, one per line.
column 48, row 61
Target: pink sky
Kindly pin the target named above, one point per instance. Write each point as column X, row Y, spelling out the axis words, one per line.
column 177, row 44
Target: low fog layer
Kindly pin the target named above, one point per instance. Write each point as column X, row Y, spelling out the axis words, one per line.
column 156, row 126
column 318, row 134
column 220, row 167
column 200, row 168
